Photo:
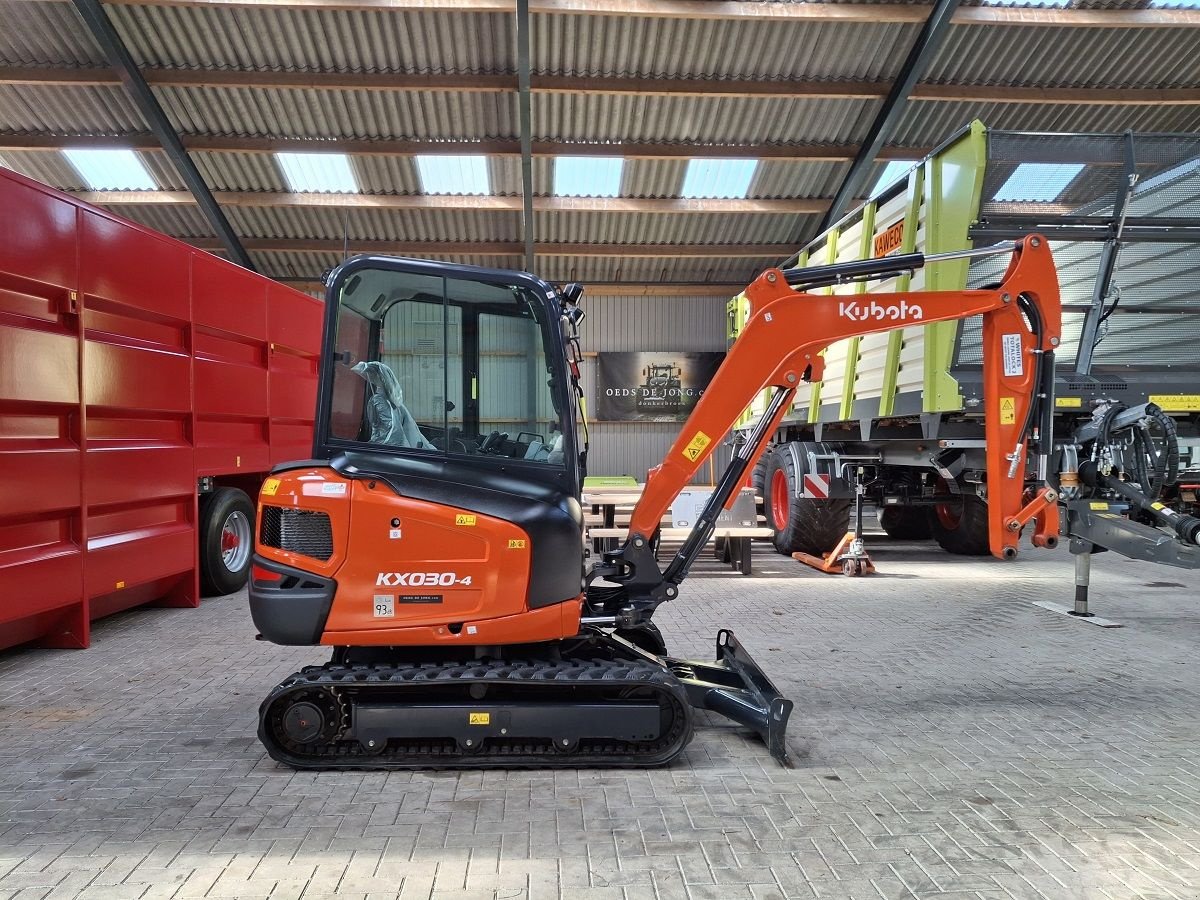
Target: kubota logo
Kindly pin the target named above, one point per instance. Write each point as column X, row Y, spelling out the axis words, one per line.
column 421, row 579
column 878, row 312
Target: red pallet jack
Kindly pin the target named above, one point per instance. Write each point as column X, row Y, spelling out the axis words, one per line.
column 850, row 555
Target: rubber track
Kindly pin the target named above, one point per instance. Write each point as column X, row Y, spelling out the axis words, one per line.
column 577, row 678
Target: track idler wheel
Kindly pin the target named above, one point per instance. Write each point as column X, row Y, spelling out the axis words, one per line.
column 312, row 717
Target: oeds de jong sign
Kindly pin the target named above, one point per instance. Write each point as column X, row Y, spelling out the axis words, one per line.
column 651, row 387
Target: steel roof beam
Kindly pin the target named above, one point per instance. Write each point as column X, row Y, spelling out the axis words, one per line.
column 265, row 199
column 933, row 32
column 97, row 22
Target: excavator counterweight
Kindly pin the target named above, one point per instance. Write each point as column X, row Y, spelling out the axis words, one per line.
column 435, row 539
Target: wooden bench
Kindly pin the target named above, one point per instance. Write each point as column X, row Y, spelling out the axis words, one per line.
column 735, row 549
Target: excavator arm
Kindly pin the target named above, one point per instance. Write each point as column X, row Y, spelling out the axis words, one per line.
column 781, row 346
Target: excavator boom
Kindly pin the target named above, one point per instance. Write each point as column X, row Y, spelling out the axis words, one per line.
column 781, row 346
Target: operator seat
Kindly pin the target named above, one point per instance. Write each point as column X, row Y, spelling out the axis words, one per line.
column 391, row 422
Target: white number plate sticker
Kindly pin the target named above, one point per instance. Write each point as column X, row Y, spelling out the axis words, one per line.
column 385, row 606
column 1014, row 357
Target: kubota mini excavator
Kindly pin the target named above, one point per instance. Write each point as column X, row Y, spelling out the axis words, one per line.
column 436, row 543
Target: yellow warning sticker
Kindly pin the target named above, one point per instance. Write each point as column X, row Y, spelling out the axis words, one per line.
column 1157, row 505
column 480, row 719
column 1096, row 504
column 1068, row 402
column 1008, row 410
column 464, row 520
column 696, row 446
column 516, row 544
column 1176, row 402
column 270, row 486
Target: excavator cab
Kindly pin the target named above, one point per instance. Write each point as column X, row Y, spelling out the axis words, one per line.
column 464, row 365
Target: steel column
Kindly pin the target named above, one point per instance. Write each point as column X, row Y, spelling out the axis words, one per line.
column 101, row 28
column 524, row 115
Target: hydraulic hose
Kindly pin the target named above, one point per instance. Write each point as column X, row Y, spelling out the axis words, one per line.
column 1187, row 527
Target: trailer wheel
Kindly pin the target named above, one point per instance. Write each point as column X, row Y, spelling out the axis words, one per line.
column 801, row 524
column 905, row 523
column 962, row 527
column 226, row 541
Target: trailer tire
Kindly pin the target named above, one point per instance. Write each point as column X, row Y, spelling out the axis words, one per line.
column 963, row 529
column 905, row 523
column 226, row 541
column 801, row 524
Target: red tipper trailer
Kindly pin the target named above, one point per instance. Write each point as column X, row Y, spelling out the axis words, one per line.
column 146, row 388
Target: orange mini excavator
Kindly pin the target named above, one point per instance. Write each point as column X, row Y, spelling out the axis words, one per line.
column 436, row 540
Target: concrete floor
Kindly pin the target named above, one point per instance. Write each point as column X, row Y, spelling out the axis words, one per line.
column 951, row 740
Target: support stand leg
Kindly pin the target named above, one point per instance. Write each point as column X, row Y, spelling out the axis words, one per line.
column 1083, row 577
column 1082, row 551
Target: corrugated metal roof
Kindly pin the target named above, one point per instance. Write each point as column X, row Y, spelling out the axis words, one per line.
column 243, row 171
column 68, row 110
column 178, row 221
column 709, row 48
column 45, row 34
column 391, row 40
column 375, row 224
column 609, row 117
column 781, row 178
column 657, row 228
column 925, row 124
column 1067, row 57
column 340, row 114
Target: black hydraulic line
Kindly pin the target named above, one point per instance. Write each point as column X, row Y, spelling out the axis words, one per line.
column 731, row 479
column 933, row 32
column 1108, row 263
column 101, row 28
column 839, row 273
column 525, row 117
column 1187, row 527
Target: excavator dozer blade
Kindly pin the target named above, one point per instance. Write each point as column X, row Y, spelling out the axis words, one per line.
column 738, row 689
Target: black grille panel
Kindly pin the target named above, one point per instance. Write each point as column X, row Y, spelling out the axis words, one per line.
column 300, row 531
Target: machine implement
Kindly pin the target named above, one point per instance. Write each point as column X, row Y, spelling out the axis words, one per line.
column 435, row 539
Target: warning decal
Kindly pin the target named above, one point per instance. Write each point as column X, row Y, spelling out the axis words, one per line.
column 696, row 446
column 1014, row 359
column 1176, row 402
column 480, row 718
column 816, row 486
column 270, row 486
column 1008, row 411
column 1069, row 402
column 461, row 519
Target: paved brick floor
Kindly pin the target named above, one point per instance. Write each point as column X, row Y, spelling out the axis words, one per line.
column 951, row 739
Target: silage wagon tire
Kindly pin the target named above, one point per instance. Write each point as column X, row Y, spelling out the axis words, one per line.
column 961, row 528
column 226, row 541
column 801, row 524
column 905, row 523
